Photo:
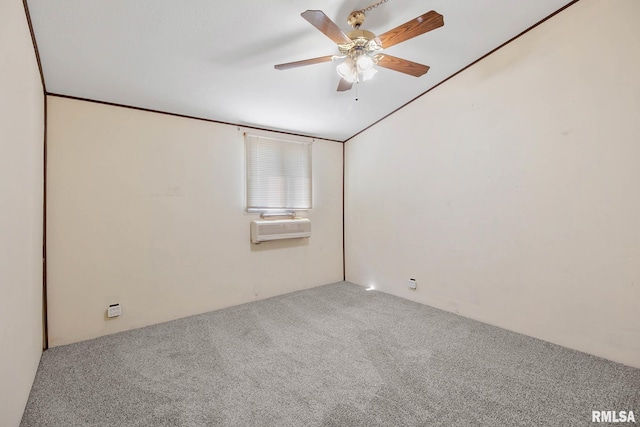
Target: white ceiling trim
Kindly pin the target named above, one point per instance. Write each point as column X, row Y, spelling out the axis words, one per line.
column 214, row 61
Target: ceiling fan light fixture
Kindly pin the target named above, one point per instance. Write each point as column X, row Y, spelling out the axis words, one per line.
column 368, row 73
column 347, row 70
column 362, row 68
column 364, row 63
column 360, row 47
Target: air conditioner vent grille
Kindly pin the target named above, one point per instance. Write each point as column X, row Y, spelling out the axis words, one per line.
column 262, row 231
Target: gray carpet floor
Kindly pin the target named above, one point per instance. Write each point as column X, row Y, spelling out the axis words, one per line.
column 335, row 355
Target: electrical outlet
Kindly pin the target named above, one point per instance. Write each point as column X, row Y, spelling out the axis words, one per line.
column 114, row 310
column 412, row 284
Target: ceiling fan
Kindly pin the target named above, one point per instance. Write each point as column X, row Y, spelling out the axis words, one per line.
column 360, row 49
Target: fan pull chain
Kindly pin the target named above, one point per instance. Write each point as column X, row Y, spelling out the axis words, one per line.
column 373, row 6
column 356, row 18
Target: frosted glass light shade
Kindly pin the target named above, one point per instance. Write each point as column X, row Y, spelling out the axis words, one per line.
column 368, row 73
column 364, row 62
column 347, row 70
column 362, row 68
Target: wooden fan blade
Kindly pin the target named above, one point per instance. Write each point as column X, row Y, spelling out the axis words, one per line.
column 344, row 85
column 402, row 65
column 420, row 25
column 318, row 19
column 303, row 62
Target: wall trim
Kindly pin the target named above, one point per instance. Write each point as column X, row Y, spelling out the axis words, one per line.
column 272, row 130
column 344, row 258
column 149, row 110
column 45, row 320
column 463, row 69
column 35, row 44
column 45, row 317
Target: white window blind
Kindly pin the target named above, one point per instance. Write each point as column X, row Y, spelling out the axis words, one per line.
column 278, row 174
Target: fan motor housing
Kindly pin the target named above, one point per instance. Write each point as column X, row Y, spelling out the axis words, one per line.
column 361, row 34
column 360, row 40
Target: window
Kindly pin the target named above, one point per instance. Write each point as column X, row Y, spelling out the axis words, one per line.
column 278, row 174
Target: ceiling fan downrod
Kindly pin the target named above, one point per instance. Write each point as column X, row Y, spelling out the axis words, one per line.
column 356, row 19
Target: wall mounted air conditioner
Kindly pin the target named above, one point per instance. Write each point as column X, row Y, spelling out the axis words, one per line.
column 263, row 231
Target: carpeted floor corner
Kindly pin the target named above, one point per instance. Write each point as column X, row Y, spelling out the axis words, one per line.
column 335, row 355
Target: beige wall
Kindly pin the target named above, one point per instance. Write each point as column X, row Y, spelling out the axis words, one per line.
column 21, row 187
column 511, row 192
column 147, row 210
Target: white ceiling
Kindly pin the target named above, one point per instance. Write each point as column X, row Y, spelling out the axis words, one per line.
column 214, row 60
